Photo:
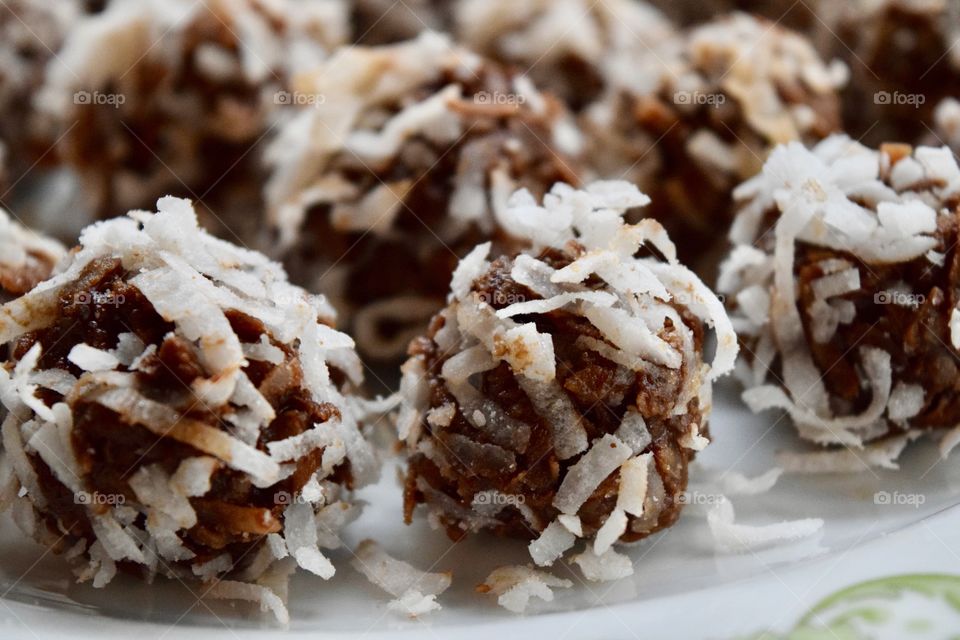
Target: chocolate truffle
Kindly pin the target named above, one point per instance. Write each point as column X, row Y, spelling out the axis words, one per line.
column 563, row 392
column 566, row 47
column 692, row 118
column 903, row 58
column 841, row 281
column 400, row 165
column 177, row 408
column 172, row 97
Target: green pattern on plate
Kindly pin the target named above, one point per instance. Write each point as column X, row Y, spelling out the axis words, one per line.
column 917, row 606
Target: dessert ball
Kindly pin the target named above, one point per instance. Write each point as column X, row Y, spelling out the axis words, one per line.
column 387, row 21
column 177, row 408
column 691, row 119
column 403, row 162
column 841, row 281
column 26, row 257
column 566, row 47
column 563, row 392
column 160, row 97
column 903, row 58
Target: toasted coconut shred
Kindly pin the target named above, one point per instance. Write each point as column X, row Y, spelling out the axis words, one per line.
column 405, row 165
column 514, row 586
column 236, row 462
column 415, row 591
column 841, row 284
column 562, row 392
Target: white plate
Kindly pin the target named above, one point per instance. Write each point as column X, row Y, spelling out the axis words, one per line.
column 681, row 587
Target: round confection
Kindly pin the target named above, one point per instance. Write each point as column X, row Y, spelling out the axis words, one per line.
column 903, row 60
column 692, row 118
column 563, row 393
column 377, row 22
column 26, row 257
column 172, row 97
column 177, row 408
column 538, row 37
column 402, row 165
column 841, row 279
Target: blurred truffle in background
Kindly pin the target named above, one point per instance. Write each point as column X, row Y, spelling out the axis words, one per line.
column 399, row 161
column 905, row 60
column 174, row 97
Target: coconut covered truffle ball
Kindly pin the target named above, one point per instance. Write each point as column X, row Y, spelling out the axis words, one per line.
column 177, row 408
column 691, row 119
column 841, row 279
column 173, row 96
column 563, row 392
column 26, row 257
column 403, row 164
column 568, row 47
column 904, row 60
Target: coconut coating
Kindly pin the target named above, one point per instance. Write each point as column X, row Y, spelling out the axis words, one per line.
column 692, row 118
column 189, row 91
column 843, row 289
column 378, row 191
column 164, row 422
column 527, row 404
